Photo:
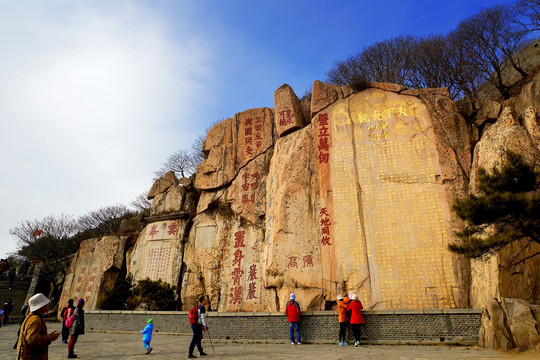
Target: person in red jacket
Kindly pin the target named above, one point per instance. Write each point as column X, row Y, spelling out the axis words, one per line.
column 355, row 307
column 292, row 311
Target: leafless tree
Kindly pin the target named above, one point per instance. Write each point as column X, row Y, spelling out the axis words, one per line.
column 492, row 37
column 103, row 221
column 385, row 61
column 141, row 204
column 182, row 162
column 529, row 14
column 27, row 231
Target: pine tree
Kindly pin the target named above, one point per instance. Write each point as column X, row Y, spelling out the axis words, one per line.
column 505, row 209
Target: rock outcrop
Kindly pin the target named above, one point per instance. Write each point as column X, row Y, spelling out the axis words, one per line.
column 506, row 288
column 94, row 269
column 348, row 192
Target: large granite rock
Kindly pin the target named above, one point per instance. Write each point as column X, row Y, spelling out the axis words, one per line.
column 231, row 144
column 391, row 163
column 288, row 111
column 93, row 269
column 158, row 252
column 292, row 260
column 223, row 260
column 496, row 279
column 162, row 184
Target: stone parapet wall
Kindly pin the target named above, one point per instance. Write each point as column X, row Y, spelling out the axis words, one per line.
column 383, row 326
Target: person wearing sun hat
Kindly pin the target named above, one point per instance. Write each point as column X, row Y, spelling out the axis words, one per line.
column 33, row 338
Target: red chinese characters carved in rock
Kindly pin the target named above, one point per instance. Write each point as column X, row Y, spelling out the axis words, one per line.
column 325, row 227
column 173, row 228
column 248, row 136
column 238, row 256
column 236, row 295
column 323, row 136
column 252, row 272
column 239, row 239
column 285, row 118
column 292, row 262
column 153, row 231
column 237, row 275
column 308, row 261
column 251, row 292
column 250, row 185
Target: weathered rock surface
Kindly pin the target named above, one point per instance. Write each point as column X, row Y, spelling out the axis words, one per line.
column 231, row 144
column 162, row 184
column 93, row 269
column 170, row 201
column 292, row 259
column 288, row 111
column 157, row 254
column 506, row 323
column 506, row 134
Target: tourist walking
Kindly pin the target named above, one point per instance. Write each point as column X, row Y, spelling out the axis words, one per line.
column 147, row 335
column 292, row 311
column 343, row 320
column 65, row 314
column 355, row 307
column 8, row 308
column 1, row 317
column 33, row 339
column 197, row 319
column 77, row 328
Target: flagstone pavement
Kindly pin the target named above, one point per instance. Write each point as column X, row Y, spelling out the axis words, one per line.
column 112, row 346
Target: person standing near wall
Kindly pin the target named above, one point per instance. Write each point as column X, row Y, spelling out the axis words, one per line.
column 33, row 339
column 292, row 311
column 77, row 328
column 66, row 312
column 355, row 307
column 198, row 327
column 343, row 320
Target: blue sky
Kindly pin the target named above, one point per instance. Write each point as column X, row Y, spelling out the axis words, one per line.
column 94, row 95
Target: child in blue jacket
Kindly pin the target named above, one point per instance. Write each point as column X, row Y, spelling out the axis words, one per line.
column 147, row 335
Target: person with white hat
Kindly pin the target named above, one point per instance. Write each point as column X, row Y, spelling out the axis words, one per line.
column 33, row 339
column 355, row 307
column 292, row 311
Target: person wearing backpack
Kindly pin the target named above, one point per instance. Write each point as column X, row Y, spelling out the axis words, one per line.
column 65, row 314
column 292, row 311
column 197, row 319
column 33, row 339
column 77, row 328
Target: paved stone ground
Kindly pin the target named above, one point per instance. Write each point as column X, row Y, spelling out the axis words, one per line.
column 113, row 346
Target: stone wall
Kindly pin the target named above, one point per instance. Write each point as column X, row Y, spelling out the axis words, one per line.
column 382, row 326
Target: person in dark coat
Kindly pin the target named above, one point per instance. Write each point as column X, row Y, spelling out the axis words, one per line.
column 8, row 308
column 66, row 312
column 77, row 328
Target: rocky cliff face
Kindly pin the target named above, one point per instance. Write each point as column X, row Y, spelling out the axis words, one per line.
column 348, row 192
column 93, row 269
column 329, row 206
column 508, row 294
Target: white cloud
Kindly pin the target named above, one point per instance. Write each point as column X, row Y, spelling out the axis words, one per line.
column 90, row 103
